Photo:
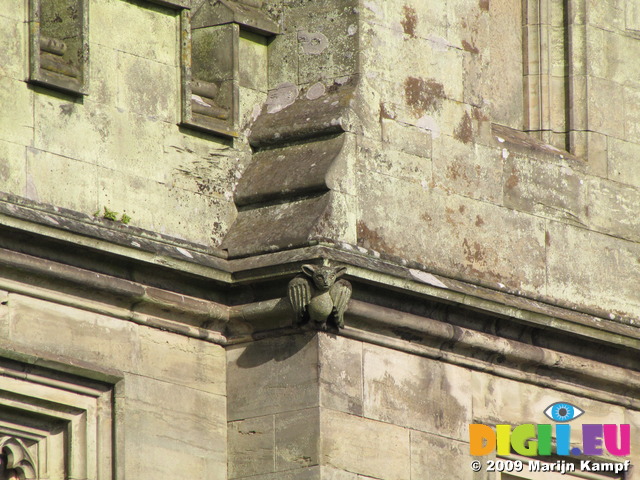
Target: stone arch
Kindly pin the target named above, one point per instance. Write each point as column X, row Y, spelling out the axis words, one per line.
column 16, row 462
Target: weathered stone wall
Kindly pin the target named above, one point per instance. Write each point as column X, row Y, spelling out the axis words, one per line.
column 430, row 83
column 170, row 404
column 309, row 407
column 405, row 120
column 438, row 185
column 120, row 146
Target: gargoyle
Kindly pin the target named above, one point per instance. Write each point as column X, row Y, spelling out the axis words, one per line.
column 321, row 298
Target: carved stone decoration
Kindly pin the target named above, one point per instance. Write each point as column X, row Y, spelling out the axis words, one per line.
column 213, row 34
column 318, row 297
column 59, row 48
column 16, row 461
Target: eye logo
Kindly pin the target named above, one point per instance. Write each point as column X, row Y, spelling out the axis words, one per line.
column 563, row 412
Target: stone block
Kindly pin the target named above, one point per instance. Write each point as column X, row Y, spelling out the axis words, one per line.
column 619, row 52
column 607, row 15
column 76, row 131
column 597, row 44
column 250, row 102
column 283, row 65
column 181, row 360
column 611, row 208
column 251, row 447
column 436, row 69
column 187, row 420
column 341, row 177
column 134, row 146
column 411, row 18
column 104, row 75
column 609, row 265
column 473, row 34
column 439, row 458
column 145, row 30
column 252, row 51
column 148, row 88
column 553, row 190
column 72, row 334
column 13, row 48
column 467, row 169
column 215, row 175
column 597, row 153
column 297, row 439
column 147, row 203
column 623, row 166
column 13, row 168
column 272, row 376
column 631, row 114
column 506, row 63
column 145, row 459
column 340, row 374
column 15, row 11
column 327, row 42
column 604, row 100
column 61, row 181
column 16, row 121
column 310, row 473
column 416, row 392
column 364, row 446
column 376, row 157
column 451, row 233
column 405, row 138
column 328, row 473
column 201, row 144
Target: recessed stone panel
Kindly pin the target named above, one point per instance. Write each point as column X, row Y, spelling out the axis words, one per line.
column 61, row 425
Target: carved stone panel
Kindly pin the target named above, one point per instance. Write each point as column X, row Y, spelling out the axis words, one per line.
column 16, row 460
column 59, row 48
column 212, row 35
column 53, row 426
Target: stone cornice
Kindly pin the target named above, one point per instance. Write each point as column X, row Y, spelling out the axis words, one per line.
column 396, row 304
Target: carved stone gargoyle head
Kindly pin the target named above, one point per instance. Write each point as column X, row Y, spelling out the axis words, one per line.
column 323, row 277
column 320, row 296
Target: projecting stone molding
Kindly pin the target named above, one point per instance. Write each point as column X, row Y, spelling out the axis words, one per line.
column 53, row 426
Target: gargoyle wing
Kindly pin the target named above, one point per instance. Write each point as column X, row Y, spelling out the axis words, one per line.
column 300, row 296
column 340, row 294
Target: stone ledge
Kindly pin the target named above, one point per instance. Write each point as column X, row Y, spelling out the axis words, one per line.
column 525, row 143
column 223, row 322
column 394, row 301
